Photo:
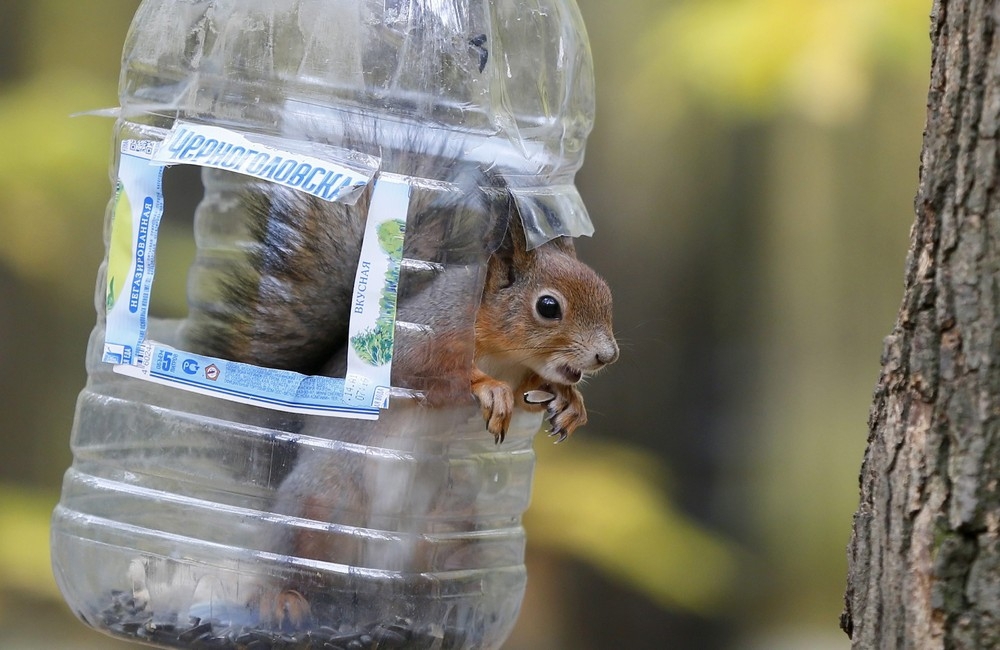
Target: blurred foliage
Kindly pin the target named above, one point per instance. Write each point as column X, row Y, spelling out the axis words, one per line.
column 593, row 500
column 46, row 187
column 24, row 545
column 752, row 58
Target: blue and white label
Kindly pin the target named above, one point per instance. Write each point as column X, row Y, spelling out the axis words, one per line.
column 211, row 146
column 137, row 210
column 373, row 307
column 136, row 213
column 281, row 390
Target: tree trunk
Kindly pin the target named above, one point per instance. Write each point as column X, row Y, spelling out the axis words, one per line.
column 924, row 558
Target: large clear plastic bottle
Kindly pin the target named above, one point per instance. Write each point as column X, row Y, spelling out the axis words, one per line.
column 175, row 518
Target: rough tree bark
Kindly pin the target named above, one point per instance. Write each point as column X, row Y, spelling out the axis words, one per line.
column 924, row 558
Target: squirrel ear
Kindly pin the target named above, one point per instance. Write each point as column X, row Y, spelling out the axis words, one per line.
column 507, row 243
column 509, row 258
column 512, row 250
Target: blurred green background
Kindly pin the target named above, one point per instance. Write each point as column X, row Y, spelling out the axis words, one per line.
column 751, row 178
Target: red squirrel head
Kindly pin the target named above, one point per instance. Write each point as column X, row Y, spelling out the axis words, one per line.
column 545, row 311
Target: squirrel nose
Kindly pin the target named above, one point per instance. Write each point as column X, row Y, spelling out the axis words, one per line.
column 607, row 355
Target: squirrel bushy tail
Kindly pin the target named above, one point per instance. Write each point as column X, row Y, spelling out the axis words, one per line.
column 281, row 301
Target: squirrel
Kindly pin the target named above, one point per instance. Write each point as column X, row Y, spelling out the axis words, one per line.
column 543, row 323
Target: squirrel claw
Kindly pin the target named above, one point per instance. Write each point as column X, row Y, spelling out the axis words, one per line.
column 496, row 400
column 565, row 412
column 558, row 432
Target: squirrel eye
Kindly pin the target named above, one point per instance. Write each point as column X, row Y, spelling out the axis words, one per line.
column 548, row 308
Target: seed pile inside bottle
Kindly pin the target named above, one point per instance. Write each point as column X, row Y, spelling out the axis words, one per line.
column 127, row 619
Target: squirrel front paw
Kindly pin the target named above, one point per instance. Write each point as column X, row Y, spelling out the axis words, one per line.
column 563, row 407
column 496, row 399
